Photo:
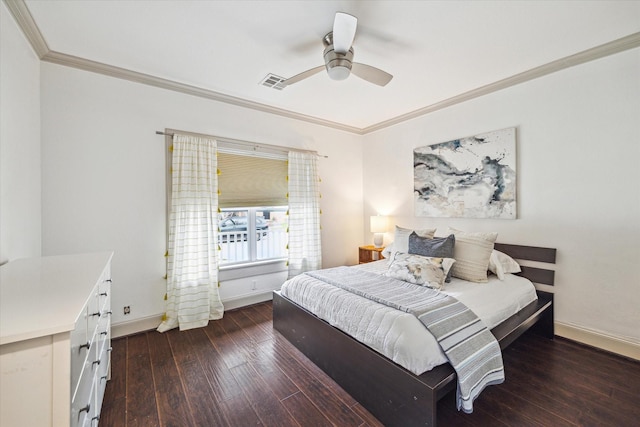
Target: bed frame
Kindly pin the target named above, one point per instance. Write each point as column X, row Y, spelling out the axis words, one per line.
column 394, row 395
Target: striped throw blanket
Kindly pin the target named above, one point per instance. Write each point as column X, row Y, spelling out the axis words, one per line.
column 470, row 347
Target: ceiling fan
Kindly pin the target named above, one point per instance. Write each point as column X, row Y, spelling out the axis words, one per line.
column 338, row 56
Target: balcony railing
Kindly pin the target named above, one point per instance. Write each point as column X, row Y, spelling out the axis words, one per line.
column 270, row 243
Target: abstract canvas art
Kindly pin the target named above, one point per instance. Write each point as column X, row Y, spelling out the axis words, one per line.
column 473, row 177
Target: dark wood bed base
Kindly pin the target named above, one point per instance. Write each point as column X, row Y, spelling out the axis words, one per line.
column 394, row 395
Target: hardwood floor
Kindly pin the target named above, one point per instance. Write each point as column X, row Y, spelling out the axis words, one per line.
column 238, row 371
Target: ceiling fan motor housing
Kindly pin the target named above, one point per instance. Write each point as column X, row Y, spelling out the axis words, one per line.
column 338, row 64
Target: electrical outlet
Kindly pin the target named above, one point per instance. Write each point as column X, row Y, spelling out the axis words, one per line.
column 127, row 309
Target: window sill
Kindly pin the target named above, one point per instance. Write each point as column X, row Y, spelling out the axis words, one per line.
column 239, row 271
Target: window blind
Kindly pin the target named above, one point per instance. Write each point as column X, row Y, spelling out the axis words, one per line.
column 247, row 181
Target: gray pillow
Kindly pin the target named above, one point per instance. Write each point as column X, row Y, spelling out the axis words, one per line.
column 439, row 247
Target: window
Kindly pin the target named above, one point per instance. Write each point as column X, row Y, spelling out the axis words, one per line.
column 254, row 234
column 252, row 222
column 253, row 202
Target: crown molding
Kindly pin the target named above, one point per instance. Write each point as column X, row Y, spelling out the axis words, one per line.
column 25, row 21
column 625, row 43
column 147, row 79
column 21, row 14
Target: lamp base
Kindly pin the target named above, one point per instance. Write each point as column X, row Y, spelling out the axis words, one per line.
column 378, row 239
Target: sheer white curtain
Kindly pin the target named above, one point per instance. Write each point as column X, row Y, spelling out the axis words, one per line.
column 192, row 266
column 305, row 251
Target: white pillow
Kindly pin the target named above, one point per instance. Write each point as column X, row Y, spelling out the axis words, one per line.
column 388, row 250
column 401, row 240
column 501, row 264
column 472, row 252
column 420, row 270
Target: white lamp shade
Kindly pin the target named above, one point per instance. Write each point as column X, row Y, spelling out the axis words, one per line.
column 379, row 224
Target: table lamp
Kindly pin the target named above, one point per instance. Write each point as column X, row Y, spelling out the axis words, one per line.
column 379, row 225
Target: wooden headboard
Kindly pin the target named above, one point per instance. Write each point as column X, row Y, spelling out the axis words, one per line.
column 540, row 313
column 543, row 276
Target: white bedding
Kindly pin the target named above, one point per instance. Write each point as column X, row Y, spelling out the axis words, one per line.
column 400, row 336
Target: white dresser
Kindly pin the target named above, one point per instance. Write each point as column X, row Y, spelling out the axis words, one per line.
column 55, row 336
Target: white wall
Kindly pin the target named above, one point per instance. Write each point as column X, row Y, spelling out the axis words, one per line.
column 20, row 209
column 578, row 165
column 104, row 175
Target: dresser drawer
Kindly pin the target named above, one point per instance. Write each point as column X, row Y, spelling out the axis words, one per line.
column 92, row 417
column 104, row 373
column 104, row 296
column 103, row 333
column 80, row 346
column 82, row 398
column 89, row 417
column 104, row 289
column 93, row 312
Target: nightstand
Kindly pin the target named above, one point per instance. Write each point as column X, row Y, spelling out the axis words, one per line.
column 365, row 254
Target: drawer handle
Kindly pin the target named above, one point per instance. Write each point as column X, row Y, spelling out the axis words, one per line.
column 103, row 294
column 103, row 378
column 110, row 349
column 96, row 314
column 108, row 280
column 85, row 409
column 104, row 333
column 95, row 362
column 109, row 313
column 87, row 345
column 95, row 419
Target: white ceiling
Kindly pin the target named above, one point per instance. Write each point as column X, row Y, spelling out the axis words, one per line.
column 436, row 50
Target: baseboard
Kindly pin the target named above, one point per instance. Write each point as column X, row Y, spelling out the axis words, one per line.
column 131, row 327
column 148, row 323
column 242, row 301
column 618, row 345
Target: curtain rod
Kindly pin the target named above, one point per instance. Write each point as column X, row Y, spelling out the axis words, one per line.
column 248, row 143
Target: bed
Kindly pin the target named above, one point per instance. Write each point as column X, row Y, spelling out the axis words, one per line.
column 392, row 393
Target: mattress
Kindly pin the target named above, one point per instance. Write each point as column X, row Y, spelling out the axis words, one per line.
column 400, row 336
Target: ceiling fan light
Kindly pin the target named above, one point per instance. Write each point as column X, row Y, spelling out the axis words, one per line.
column 338, row 64
column 339, row 72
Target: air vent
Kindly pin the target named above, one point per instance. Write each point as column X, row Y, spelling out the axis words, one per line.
column 273, row 81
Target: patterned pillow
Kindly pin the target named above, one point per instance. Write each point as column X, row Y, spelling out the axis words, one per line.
column 419, row 270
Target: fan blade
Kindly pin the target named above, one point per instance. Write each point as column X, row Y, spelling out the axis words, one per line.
column 371, row 74
column 344, row 30
column 303, row 75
